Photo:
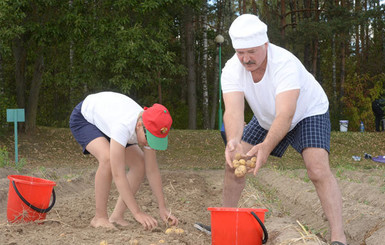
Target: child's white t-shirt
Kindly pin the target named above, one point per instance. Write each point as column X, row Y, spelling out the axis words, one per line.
column 283, row 72
column 114, row 114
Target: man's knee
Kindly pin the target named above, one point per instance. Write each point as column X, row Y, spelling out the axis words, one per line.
column 317, row 164
column 230, row 176
column 104, row 161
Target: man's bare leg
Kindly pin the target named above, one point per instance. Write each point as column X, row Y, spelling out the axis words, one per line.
column 135, row 176
column 317, row 164
column 100, row 148
column 232, row 185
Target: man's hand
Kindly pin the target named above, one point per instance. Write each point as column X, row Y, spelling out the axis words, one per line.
column 146, row 220
column 168, row 218
column 232, row 148
column 261, row 154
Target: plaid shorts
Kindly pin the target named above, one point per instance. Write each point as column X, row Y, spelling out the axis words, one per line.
column 312, row 131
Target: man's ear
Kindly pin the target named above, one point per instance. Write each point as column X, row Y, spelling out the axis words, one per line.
column 139, row 124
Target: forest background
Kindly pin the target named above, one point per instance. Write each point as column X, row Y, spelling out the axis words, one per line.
column 54, row 53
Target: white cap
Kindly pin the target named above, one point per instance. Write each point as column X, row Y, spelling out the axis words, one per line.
column 247, row 31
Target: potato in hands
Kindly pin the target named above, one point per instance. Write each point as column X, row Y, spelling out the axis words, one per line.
column 240, row 171
column 242, row 165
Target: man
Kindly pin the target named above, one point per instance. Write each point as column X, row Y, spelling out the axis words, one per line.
column 111, row 126
column 289, row 106
column 378, row 106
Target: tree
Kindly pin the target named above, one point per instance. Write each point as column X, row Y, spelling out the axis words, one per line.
column 205, row 92
column 54, row 53
column 29, row 48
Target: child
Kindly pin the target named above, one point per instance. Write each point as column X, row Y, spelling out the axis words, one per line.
column 110, row 126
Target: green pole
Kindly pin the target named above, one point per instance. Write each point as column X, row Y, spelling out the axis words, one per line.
column 15, row 115
column 220, row 92
column 16, row 151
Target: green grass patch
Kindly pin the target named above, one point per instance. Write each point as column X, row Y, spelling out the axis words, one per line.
column 6, row 162
column 204, row 149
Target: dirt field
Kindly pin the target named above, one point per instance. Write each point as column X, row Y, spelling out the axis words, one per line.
column 294, row 217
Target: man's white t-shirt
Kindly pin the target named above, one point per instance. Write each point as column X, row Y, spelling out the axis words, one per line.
column 114, row 114
column 283, row 72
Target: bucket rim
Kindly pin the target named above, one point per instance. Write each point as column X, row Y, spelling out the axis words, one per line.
column 228, row 209
column 44, row 182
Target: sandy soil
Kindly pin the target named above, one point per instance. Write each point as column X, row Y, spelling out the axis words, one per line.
column 294, row 217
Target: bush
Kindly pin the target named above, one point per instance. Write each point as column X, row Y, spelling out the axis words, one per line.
column 359, row 92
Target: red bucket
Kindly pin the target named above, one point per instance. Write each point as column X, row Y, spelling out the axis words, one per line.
column 29, row 198
column 238, row 226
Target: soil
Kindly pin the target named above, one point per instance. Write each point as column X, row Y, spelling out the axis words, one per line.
column 294, row 216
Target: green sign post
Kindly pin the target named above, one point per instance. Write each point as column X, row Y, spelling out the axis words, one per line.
column 15, row 116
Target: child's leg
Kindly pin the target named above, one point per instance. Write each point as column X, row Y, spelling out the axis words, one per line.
column 135, row 176
column 100, row 148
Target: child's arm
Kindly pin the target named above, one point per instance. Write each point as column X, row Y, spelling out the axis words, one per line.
column 117, row 158
column 155, row 181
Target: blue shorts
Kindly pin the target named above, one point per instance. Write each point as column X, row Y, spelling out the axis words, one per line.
column 83, row 131
column 312, row 131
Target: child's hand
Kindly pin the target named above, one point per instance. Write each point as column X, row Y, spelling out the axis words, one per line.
column 168, row 218
column 146, row 220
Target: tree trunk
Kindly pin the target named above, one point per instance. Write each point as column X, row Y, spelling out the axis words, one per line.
column 254, row 7
column 315, row 43
column 72, row 91
column 366, row 35
column 191, row 78
column 334, row 71
column 293, row 15
column 240, row 7
column 342, row 67
column 206, row 118
column 342, row 58
column 214, row 98
column 31, row 111
column 315, row 57
column 2, row 83
column 160, row 97
column 20, row 56
column 307, row 45
column 283, row 22
column 357, row 29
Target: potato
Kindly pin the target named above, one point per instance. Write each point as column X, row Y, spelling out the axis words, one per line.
column 133, row 242
column 238, row 156
column 242, row 162
column 175, row 230
column 169, row 231
column 235, row 163
column 179, row 231
column 250, row 164
column 240, row 171
column 253, row 159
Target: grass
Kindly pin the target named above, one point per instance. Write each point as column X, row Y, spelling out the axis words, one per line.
column 194, row 150
column 6, row 162
column 204, row 149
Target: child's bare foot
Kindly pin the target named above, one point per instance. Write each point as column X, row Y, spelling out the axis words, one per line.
column 100, row 222
column 119, row 221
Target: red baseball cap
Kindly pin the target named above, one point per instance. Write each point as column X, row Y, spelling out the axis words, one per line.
column 157, row 121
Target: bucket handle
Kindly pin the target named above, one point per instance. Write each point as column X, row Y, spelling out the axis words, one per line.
column 39, row 210
column 265, row 235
